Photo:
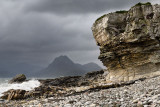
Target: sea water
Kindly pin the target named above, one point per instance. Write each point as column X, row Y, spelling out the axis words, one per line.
column 28, row 85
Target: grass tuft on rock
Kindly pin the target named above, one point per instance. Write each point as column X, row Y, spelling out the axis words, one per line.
column 139, row 4
column 122, row 11
column 101, row 17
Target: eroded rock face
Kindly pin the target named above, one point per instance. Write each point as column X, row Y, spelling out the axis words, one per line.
column 130, row 42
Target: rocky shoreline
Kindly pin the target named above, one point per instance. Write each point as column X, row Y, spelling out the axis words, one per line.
column 58, row 86
column 140, row 93
column 130, row 49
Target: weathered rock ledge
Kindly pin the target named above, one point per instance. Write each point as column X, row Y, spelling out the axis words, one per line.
column 66, row 86
column 62, row 86
column 130, row 42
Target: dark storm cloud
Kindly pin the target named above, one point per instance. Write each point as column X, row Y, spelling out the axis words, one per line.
column 37, row 34
column 37, row 31
column 42, row 37
column 80, row 6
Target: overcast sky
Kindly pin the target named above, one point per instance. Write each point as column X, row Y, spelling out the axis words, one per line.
column 37, row 31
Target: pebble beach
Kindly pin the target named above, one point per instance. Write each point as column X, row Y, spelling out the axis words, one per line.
column 140, row 94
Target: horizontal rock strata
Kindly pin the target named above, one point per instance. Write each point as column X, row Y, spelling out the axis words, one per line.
column 130, row 42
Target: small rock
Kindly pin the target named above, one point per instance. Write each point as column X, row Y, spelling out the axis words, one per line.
column 72, row 101
column 67, row 105
column 92, row 105
column 139, row 104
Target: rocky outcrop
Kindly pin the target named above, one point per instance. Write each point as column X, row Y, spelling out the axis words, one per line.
column 22, row 94
column 58, row 86
column 66, row 86
column 130, row 42
column 18, row 79
column 14, row 94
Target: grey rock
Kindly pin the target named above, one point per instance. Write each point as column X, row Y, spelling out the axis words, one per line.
column 18, row 79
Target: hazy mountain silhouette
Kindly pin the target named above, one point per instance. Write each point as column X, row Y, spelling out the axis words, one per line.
column 63, row 66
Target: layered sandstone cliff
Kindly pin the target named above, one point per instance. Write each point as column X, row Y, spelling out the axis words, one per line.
column 130, row 42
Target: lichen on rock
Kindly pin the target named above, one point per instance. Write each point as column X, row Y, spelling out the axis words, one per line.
column 130, row 42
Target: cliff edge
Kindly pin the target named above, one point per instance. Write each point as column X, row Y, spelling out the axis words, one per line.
column 130, row 42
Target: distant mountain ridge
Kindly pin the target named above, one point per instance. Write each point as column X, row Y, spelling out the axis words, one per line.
column 64, row 66
column 61, row 66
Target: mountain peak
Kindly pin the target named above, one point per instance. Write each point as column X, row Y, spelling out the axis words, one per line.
column 64, row 66
column 61, row 60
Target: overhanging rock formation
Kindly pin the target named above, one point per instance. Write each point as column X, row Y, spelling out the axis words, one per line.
column 130, row 42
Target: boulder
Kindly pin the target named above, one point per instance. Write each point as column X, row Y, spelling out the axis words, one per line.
column 130, row 42
column 14, row 94
column 18, row 79
column 21, row 94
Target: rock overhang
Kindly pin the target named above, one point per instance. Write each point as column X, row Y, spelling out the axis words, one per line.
column 130, row 42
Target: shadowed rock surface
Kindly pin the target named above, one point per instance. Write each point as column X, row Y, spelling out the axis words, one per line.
column 130, row 42
column 18, row 79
